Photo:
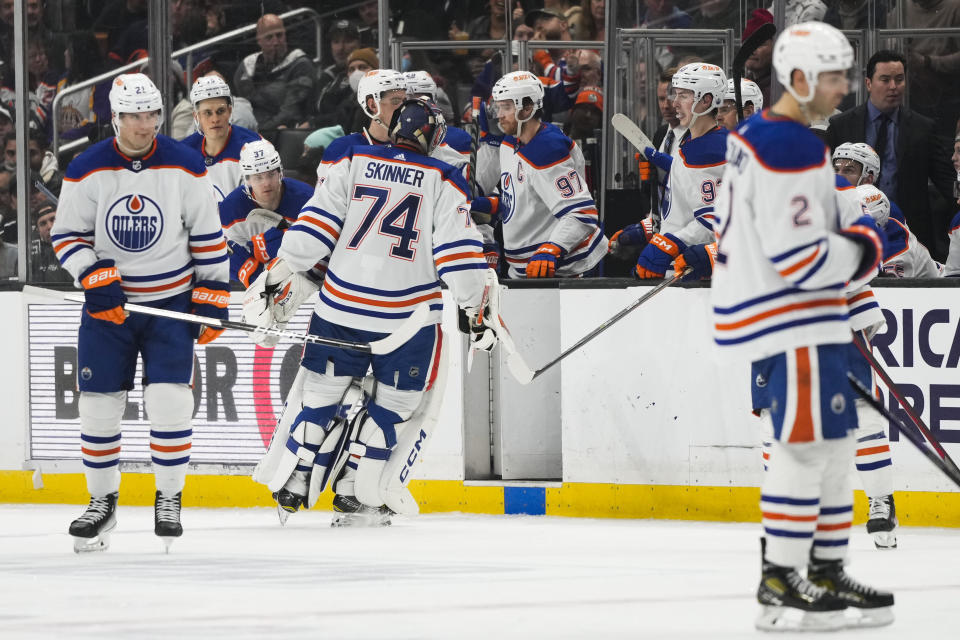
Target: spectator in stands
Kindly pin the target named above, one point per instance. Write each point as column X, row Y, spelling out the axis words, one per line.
column 664, row 14
column 760, row 63
column 87, row 111
column 586, row 115
column 714, row 14
column 278, row 82
column 7, row 212
column 44, row 266
column 116, row 16
column 338, row 105
column 42, row 80
column 6, row 121
column 43, row 162
column 367, row 31
column 10, row 151
column 37, row 30
column 8, row 260
column 333, row 85
column 910, row 151
column 593, row 16
column 490, row 26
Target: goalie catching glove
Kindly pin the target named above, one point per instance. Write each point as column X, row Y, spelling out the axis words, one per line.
column 274, row 298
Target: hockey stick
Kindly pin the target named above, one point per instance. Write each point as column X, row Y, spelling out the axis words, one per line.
column 42, row 188
column 392, row 342
column 757, row 38
column 524, row 375
column 866, row 352
column 950, row 470
column 634, row 135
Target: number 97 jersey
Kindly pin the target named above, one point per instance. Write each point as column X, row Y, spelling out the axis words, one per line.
column 394, row 222
column 687, row 210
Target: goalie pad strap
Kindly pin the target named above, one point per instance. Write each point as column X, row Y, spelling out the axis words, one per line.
column 366, row 451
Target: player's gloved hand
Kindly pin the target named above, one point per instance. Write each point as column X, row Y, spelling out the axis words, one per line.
column 491, row 253
column 210, row 299
column 102, row 292
column 644, row 168
column 637, row 234
column 485, row 209
column 543, row 264
column 274, row 298
column 266, row 244
column 471, row 322
column 865, row 233
column 656, row 257
column 699, row 259
column 243, row 264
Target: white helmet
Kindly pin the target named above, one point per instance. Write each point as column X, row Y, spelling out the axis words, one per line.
column 860, row 152
column 377, row 82
column 749, row 92
column 134, row 93
column 813, row 48
column 258, row 156
column 419, row 84
column 516, row 86
column 209, row 87
column 875, row 203
column 703, row 79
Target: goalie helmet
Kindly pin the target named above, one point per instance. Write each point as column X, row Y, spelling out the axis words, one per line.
column 134, row 93
column 377, row 82
column 874, row 203
column 209, row 87
column 749, row 92
column 702, row 79
column 420, row 83
column 516, row 86
column 859, row 152
column 419, row 121
column 812, row 48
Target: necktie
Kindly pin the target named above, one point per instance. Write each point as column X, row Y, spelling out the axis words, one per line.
column 668, row 141
column 881, row 146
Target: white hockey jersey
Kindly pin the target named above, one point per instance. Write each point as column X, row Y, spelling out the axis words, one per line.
column 781, row 268
column 394, row 223
column 862, row 304
column 687, row 207
column 952, row 268
column 906, row 257
column 155, row 216
column 544, row 198
column 223, row 168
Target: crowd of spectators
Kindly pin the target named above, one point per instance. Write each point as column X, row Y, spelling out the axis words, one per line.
column 281, row 81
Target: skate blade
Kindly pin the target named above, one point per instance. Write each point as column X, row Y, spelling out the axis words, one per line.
column 862, row 618
column 91, row 545
column 283, row 514
column 360, row 520
column 773, row 618
column 885, row 540
column 167, row 542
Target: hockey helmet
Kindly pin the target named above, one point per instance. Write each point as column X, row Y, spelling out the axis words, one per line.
column 419, row 121
column 874, row 203
column 420, row 83
column 702, row 79
column 209, row 87
column 256, row 157
column 813, row 48
column 749, row 92
column 134, row 93
column 516, row 86
column 859, row 152
column 377, row 82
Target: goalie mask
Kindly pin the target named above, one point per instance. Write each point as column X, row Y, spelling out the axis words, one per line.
column 420, row 122
column 261, row 169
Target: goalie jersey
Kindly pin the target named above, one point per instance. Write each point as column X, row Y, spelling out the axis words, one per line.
column 155, row 216
column 544, row 198
column 223, row 168
column 689, row 199
column 394, row 223
column 782, row 269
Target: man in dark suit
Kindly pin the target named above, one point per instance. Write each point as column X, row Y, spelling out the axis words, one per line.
column 911, row 153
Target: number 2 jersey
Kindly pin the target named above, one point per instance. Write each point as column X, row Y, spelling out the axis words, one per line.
column 155, row 216
column 687, row 209
column 393, row 222
column 544, row 198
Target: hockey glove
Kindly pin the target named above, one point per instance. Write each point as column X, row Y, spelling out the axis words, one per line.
column 657, row 256
column 102, row 292
column 471, row 322
column 266, row 244
column 635, row 236
column 699, row 258
column 543, row 264
column 485, row 209
column 865, row 233
column 210, row 299
column 243, row 266
column 643, row 167
column 491, row 253
column 274, row 297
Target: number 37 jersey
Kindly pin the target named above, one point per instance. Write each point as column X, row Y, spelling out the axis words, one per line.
column 394, row 222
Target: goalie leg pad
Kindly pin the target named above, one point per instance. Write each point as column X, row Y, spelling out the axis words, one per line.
column 377, row 439
column 303, row 442
column 100, row 415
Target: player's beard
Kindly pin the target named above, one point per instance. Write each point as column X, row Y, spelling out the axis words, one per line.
column 509, row 127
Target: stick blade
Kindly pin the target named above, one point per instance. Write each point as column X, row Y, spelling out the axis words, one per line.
column 407, row 330
column 521, row 372
column 629, row 130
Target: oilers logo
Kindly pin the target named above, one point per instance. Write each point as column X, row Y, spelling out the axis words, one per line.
column 134, row 223
column 508, row 197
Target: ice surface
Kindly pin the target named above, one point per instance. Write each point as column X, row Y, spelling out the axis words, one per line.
column 236, row 573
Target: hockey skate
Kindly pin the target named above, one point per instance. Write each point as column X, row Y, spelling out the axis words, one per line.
column 288, row 502
column 166, row 518
column 875, row 608
column 350, row 512
column 882, row 523
column 789, row 602
column 91, row 531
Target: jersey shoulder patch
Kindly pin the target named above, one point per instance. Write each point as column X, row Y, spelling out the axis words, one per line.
column 782, row 144
column 549, row 147
column 709, row 150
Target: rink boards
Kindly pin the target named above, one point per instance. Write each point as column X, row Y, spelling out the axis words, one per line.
column 646, row 421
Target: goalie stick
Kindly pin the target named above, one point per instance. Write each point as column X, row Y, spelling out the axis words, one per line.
column 634, row 135
column 757, row 38
column 867, row 353
column 950, row 470
column 392, row 342
column 525, row 375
